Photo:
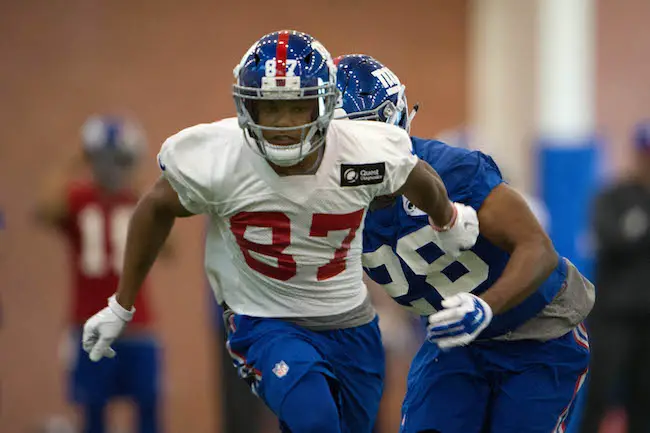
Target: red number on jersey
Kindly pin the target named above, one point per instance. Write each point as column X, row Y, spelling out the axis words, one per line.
column 322, row 224
column 280, row 226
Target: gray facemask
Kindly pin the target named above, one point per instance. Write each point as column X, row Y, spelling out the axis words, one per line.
column 111, row 168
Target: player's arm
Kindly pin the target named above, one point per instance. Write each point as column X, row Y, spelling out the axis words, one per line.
column 406, row 174
column 425, row 189
column 457, row 224
column 149, row 228
column 168, row 249
column 52, row 204
column 507, row 221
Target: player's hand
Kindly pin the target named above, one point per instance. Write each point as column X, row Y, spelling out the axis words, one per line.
column 462, row 318
column 461, row 232
column 103, row 328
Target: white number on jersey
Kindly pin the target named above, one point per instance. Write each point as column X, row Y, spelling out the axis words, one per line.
column 95, row 261
column 407, row 250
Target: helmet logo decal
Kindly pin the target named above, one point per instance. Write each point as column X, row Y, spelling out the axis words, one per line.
column 387, row 79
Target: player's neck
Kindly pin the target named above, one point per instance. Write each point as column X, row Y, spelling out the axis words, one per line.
column 309, row 165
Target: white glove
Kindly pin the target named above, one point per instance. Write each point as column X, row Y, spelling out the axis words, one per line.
column 461, row 232
column 463, row 317
column 103, row 328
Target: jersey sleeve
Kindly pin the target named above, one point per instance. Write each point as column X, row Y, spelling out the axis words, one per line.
column 185, row 163
column 396, row 152
column 470, row 178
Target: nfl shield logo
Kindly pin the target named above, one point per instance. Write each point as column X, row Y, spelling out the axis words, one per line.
column 281, row 369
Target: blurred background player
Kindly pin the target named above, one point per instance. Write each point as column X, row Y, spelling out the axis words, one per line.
column 89, row 200
column 620, row 322
column 506, row 351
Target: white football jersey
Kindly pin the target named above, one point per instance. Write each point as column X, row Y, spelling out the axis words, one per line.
column 294, row 242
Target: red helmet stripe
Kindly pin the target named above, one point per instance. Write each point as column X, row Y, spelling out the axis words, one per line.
column 281, row 54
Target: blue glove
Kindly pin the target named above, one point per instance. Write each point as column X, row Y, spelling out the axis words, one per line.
column 460, row 321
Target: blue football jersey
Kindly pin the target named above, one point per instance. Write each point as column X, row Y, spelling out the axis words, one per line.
column 400, row 251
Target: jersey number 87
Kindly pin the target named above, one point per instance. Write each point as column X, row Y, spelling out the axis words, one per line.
column 280, row 226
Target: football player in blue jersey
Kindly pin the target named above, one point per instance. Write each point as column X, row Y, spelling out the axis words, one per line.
column 506, row 350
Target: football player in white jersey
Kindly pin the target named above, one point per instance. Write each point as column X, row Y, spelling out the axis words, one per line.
column 286, row 200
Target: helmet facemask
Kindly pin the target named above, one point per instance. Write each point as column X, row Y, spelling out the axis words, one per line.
column 113, row 147
column 312, row 134
column 112, row 168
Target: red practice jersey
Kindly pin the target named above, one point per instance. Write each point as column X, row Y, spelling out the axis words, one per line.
column 95, row 230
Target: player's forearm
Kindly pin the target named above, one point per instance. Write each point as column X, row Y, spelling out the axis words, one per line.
column 529, row 266
column 149, row 228
column 425, row 189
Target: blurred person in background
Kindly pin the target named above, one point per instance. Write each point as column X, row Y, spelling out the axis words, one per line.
column 89, row 201
column 620, row 322
column 506, row 349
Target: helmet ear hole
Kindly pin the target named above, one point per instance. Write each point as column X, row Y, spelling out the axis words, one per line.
column 257, row 59
column 308, row 57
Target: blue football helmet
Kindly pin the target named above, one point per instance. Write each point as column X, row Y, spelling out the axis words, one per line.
column 371, row 91
column 285, row 65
